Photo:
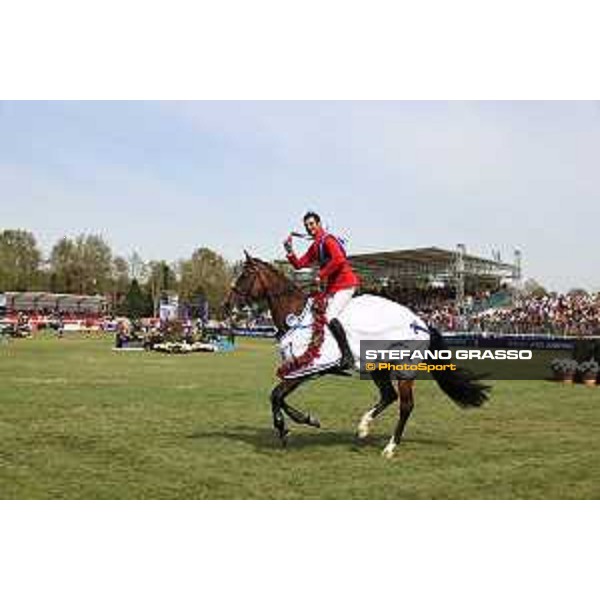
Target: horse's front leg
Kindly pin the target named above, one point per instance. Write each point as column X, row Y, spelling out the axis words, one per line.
column 278, row 406
column 299, row 417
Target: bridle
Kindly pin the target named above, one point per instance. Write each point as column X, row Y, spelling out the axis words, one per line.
column 268, row 293
column 257, row 274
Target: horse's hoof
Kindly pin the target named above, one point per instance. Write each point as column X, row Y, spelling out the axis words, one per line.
column 362, row 433
column 388, row 451
column 364, row 429
column 283, row 437
column 314, row 422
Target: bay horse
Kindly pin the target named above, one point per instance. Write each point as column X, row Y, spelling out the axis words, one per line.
column 260, row 281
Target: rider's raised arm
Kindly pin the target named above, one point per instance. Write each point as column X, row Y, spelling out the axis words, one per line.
column 336, row 257
column 306, row 260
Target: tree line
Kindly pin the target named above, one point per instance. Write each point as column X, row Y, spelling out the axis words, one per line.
column 87, row 265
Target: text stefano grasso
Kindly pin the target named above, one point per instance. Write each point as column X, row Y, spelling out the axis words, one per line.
column 374, row 354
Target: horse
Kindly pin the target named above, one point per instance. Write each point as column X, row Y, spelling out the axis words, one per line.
column 261, row 281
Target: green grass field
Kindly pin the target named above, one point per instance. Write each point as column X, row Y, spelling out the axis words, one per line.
column 80, row 421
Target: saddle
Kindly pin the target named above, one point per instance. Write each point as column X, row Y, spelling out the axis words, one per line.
column 309, row 347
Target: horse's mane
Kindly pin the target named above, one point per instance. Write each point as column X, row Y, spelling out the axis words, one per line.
column 285, row 284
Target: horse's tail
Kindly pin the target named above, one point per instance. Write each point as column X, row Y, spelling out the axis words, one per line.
column 461, row 385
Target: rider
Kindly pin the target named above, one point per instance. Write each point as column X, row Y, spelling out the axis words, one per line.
column 334, row 270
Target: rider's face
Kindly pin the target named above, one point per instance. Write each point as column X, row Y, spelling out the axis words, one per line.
column 312, row 226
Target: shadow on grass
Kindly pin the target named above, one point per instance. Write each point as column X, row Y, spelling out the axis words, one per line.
column 264, row 439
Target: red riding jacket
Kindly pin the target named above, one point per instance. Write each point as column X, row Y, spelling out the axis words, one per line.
column 334, row 267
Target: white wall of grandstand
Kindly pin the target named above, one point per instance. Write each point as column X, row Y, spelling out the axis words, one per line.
column 41, row 308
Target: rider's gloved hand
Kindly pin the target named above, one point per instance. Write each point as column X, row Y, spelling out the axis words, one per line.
column 287, row 244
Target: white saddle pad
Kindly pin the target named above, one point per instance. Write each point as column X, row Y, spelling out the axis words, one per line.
column 365, row 318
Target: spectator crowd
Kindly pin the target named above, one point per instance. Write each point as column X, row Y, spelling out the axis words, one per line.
column 556, row 314
column 493, row 311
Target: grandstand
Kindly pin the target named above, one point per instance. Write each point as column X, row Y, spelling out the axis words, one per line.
column 408, row 267
column 44, row 302
column 455, row 271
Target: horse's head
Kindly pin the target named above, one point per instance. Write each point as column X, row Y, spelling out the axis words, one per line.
column 250, row 285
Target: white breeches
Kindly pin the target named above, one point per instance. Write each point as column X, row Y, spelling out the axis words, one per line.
column 338, row 302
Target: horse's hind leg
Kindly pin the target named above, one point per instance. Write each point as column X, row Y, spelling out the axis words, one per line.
column 387, row 395
column 405, row 388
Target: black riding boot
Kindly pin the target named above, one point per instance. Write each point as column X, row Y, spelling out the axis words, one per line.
column 347, row 361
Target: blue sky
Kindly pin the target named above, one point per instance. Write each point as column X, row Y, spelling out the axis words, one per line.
column 164, row 178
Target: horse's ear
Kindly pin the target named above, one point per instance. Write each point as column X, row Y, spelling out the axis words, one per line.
column 247, row 256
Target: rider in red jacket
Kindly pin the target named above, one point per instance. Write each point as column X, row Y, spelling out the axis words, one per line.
column 335, row 272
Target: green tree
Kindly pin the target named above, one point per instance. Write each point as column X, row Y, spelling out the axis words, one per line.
column 160, row 277
column 168, row 276
column 20, row 260
column 96, row 264
column 81, row 266
column 137, row 303
column 206, row 273
column 120, row 281
column 63, row 266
